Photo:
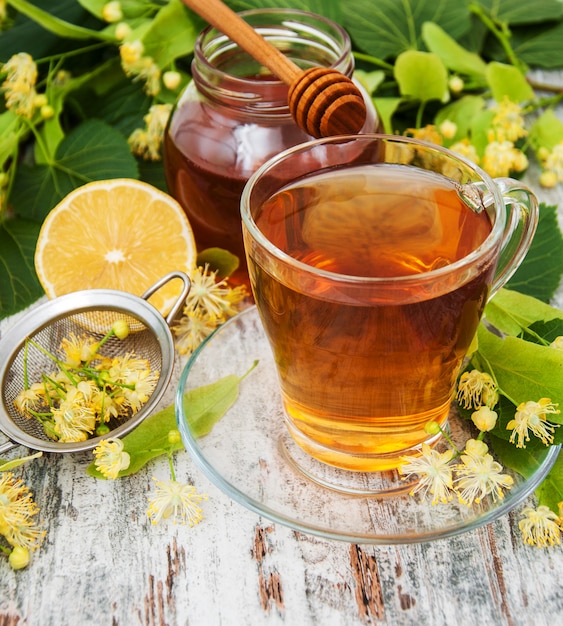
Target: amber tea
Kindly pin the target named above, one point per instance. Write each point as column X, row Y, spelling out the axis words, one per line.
column 361, row 378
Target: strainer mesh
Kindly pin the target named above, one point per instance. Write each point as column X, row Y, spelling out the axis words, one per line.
column 142, row 342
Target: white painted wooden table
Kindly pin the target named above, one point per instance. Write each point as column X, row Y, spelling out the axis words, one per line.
column 103, row 563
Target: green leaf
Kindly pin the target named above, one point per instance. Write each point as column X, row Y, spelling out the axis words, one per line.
column 92, row 151
column 171, row 35
column 524, row 371
column 454, row 56
column 523, row 11
column 9, row 465
column 511, row 312
column 461, row 112
column 203, row 408
column 507, row 80
column 539, row 46
column 370, row 80
column 19, row 286
column 525, row 461
column 539, row 275
column 550, row 492
column 422, row 76
column 55, row 25
column 387, row 28
column 219, row 260
column 546, row 131
column 386, row 107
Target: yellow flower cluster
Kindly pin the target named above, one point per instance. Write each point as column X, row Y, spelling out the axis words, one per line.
column 140, row 67
column 19, row 84
column 476, row 476
column 146, row 142
column 501, row 155
column 87, row 390
column 209, row 304
column 17, row 520
column 552, row 164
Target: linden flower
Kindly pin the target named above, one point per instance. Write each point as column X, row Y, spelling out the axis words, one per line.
column 143, row 383
column 73, row 422
column 213, row 297
column 554, row 161
column 532, row 416
column 484, row 418
column 448, row 129
column 479, row 475
column 176, row 500
column 434, row 472
column 112, row 12
column 140, row 67
column 110, row 458
column 17, row 513
column 465, row 149
column 19, row 85
column 30, row 399
column 508, row 122
column 476, row 388
column 78, row 350
column 426, row 133
column 193, row 328
column 147, row 142
column 540, row 527
column 557, row 343
column 501, row 157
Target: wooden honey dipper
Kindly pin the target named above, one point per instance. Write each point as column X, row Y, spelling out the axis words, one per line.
column 322, row 101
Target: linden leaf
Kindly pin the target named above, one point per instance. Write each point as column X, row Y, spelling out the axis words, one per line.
column 550, row 492
column 546, row 131
column 92, row 151
column 422, row 76
column 387, row 28
column 13, row 463
column 461, row 112
column 219, row 260
column 508, row 81
column 204, row 406
column 19, row 286
column 540, row 273
column 523, row 370
column 454, row 56
column 511, row 312
column 525, row 461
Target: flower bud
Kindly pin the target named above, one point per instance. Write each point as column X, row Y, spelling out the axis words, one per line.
column 171, row 80
column 456, row 84
column 484, row 418
column 476, row 447
column 432, row 428
column 19, row 557
column 112, row 12
column 120, row 329
column 174, row 436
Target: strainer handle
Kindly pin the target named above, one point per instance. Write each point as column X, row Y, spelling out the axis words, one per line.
column 9, row 445
column 181, row 298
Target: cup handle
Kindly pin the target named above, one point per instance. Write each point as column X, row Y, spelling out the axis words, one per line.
column 522, row 214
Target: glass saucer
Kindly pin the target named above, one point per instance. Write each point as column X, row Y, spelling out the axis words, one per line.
column 250, row 457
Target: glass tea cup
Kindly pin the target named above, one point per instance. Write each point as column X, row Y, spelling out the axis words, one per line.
column 371, row 259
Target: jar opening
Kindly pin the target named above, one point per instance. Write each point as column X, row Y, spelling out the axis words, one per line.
column 222, row 70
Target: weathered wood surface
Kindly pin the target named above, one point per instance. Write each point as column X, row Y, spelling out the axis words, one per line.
column 103, row 563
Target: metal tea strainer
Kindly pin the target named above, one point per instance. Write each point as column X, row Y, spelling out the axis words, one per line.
column 90, row 312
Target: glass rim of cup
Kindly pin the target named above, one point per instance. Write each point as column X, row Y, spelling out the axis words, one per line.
column 493, row 239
